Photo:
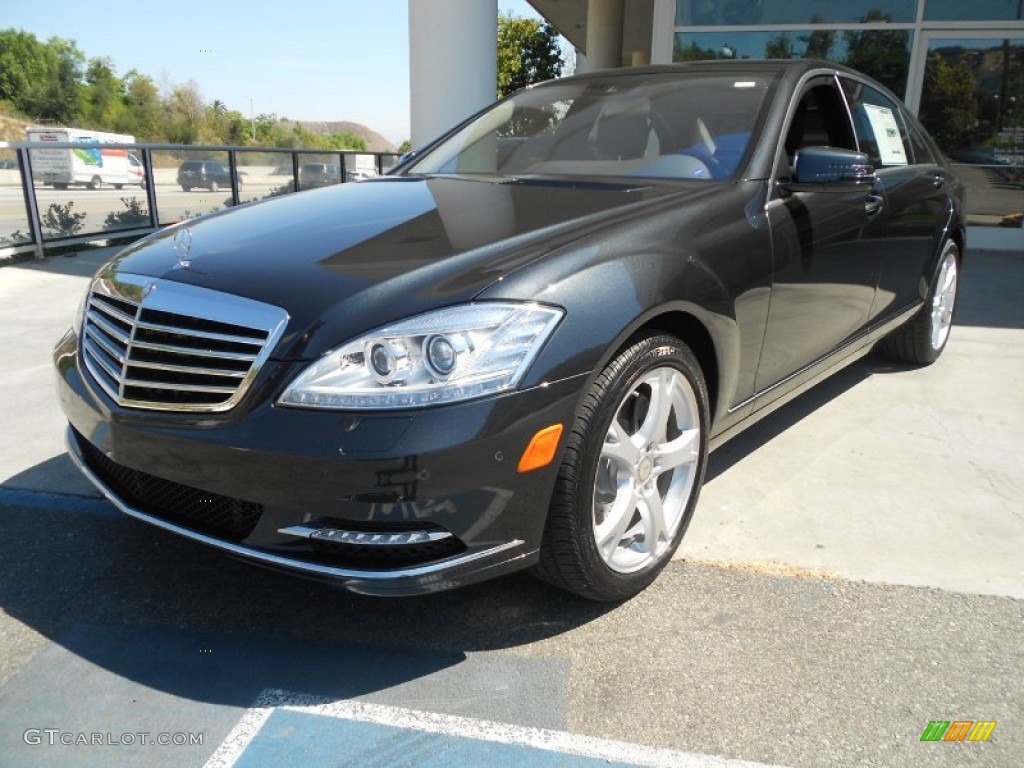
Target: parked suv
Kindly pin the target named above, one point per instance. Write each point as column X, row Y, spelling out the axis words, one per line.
column 319, row 175
column 205, row 173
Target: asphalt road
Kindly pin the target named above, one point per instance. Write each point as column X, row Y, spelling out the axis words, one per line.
column 110, row 625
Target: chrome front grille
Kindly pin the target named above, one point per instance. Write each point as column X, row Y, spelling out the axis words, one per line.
column 151, row 343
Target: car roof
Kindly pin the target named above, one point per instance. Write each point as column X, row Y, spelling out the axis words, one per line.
column 730, row 66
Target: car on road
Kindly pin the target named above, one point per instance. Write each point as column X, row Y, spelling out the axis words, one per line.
column 204, row 174
column 517, row 350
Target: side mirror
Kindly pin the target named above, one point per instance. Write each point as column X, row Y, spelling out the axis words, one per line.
column 828, row 169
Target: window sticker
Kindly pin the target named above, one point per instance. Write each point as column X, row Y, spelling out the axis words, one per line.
column 887, row 134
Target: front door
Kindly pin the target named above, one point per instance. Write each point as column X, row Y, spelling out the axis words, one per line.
column 825, row 248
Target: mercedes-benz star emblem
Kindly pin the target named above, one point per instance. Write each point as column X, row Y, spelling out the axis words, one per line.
column 183, row 247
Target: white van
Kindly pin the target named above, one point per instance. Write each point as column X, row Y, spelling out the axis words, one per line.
column 89, row 166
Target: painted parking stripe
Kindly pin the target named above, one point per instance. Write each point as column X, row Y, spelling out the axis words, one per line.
column 273, row 726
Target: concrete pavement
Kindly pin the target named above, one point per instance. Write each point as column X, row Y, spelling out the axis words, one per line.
column 852, row 573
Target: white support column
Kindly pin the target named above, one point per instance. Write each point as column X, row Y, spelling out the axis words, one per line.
column 604, row 34
column 663, row 31
column 452, row 63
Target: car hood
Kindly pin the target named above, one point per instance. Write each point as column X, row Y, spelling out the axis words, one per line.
column 349, row 258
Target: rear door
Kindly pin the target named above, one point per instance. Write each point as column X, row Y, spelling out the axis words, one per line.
column 825, row 246
column 916, row 191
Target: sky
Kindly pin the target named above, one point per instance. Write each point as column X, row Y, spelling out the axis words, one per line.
column 300, row 59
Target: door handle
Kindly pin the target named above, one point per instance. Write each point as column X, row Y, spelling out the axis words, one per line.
column 873, row 204
column 938, row 181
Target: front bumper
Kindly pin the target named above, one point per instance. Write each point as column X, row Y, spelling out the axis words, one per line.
column 449, row 472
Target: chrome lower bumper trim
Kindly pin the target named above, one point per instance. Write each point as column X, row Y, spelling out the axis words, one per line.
column 423, row 575
column 364, row 538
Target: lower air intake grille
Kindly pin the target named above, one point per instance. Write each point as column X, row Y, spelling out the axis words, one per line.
column 210, row 513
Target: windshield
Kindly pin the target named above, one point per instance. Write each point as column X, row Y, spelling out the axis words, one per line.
column 673, row 126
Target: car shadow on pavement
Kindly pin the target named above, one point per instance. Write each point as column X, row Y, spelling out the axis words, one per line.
column 774, row 424
column 147, row 606
column 79, row 263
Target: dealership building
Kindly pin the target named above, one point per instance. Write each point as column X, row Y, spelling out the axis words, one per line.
column 958, row 65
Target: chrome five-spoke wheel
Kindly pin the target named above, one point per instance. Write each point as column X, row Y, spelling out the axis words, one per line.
column 631, row 472
column 943, row 300
column 646, row 471
column 921, row 340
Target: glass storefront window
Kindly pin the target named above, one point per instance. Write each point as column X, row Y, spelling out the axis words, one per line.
column 972, row 104
column 880, row 53
column 975, row 10
column 702, row 13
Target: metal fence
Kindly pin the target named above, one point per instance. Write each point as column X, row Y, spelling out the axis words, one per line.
column 143, row 187
column 167, row 183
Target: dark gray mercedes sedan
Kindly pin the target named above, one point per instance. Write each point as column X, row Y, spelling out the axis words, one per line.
column 517, row 350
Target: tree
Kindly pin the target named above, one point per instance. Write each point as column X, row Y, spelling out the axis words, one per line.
column 144, row 118
column 41, row 80
column 880, row 53
column 779, row 46
column 692, row 52
column 949, row 104
column 185, row 113
column 528, row 53
column 103, row 97
column 820, row 42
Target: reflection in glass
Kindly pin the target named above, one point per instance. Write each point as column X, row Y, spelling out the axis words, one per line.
column 14, row 228
column 192, row 183
column 750, row 12
column 883, row 54
column 319, row 170
column 265, row 174
column 359, row 167
column 972, row 103
column 975, row 10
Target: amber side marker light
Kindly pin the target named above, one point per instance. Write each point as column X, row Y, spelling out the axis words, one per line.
column 541, row 450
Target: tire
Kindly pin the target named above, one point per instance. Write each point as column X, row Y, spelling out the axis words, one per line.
column 60, row 185
column 95, row 182
column 611, row 480
column 214, row 186
column 186, row 188
column 921, row 340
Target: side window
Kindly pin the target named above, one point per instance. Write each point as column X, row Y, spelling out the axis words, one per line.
column 819, row 120
column 922, row 153
column 878, row 123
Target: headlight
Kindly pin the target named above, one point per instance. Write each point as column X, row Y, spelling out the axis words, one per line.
column 444, row 356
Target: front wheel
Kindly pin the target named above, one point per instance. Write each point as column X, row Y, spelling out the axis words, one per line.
column 633, row 467
column 923, row 338
column 95, row 182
